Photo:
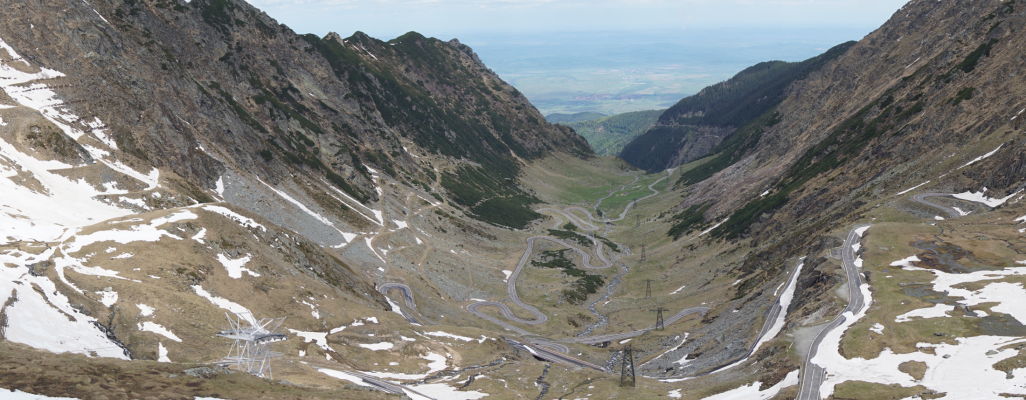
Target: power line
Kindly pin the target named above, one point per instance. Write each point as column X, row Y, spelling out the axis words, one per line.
column 627, row 377
column 659, row 318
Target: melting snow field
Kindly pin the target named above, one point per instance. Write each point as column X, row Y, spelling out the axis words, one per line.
column 1009, row 296
column 963, row 370
column 377, row 346
column 937, row 311
column 236, row 267
column 154, row 327
column 785, row 303
column 42, row 317
column 981, row 197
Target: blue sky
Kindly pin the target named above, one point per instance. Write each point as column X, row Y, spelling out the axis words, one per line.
column 451, row 18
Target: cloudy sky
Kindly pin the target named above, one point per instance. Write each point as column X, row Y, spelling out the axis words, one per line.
column 448, row 18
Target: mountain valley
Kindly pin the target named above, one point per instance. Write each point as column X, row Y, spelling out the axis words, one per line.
column 395, row 221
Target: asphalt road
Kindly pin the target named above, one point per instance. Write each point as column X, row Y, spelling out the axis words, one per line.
column 557, row 357
column 812, row 375
column 921, row 198
column 384, row 385
column 407, row 296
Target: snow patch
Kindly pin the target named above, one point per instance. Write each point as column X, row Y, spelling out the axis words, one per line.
column 912, row 188
column 981, row 158
column 345, row 376
column 377, row 346
column 232, row 215
column 145, row 310
column 108, row 297
column 785, row 302
column 162, row 353
column 223, row 303
column 717, row 225
column 154, row 327
column 449, row 335
column 42, row 317
column 937, row 311
column 236, row 267
column 980, row 197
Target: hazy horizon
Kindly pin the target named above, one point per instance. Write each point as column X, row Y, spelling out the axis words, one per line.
column 604, row 56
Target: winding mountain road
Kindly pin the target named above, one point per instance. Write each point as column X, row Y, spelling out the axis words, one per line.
column 543, row 347
column 384, row 288
column 921, row 198
column 812, row 375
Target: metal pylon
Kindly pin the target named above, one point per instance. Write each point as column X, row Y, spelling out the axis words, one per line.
column 659, row 318
column 648, row 288
column 627, row 367
column 642, row 252
column 251, row 339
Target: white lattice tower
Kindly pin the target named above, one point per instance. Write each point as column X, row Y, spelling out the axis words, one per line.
column 251, row 339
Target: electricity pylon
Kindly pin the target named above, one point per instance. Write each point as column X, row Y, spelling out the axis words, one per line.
column 627, row 367
column 250, row 349
column 659, row 318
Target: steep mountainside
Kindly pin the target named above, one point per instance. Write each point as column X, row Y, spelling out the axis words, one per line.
column 695, row 127
column 164, row 162
column 915, row 125
column 607, row 135
column 263, row 99
column 856, row 231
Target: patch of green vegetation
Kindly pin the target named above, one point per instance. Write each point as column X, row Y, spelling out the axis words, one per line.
column 969, row 63
column 609, row 243
column 570, row 236
column 509, row 212
column 688, row 220
column 586, row 284
column 491, row 198
column 964, row 94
